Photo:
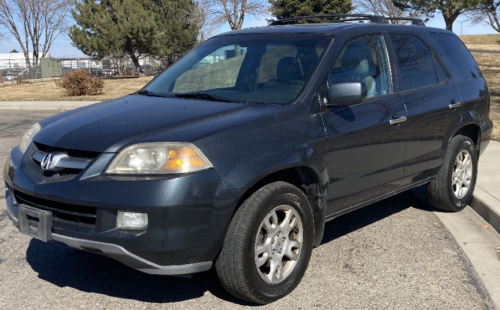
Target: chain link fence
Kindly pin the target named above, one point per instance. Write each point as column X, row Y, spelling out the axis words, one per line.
column 14, row 70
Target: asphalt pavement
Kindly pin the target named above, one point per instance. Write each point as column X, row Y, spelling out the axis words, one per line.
column 395, row 254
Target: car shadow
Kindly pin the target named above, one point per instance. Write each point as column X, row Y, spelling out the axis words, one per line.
column 66, row 267
column 348, row 223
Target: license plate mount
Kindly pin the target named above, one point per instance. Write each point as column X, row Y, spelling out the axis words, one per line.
column 35, row 223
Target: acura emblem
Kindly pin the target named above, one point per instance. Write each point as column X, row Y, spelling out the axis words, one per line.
column 54, row 161
column 46, row 161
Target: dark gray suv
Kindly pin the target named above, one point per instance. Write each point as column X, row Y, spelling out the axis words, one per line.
column 238, row 154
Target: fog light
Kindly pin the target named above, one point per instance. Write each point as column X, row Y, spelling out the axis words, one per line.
column 132, row 220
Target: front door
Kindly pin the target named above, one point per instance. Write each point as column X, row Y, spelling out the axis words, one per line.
column 365, row 146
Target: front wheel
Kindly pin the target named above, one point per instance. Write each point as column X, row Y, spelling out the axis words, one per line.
column 452, row 188
column 268, row 244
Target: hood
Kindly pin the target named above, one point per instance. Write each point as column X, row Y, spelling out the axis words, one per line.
column 107, row 126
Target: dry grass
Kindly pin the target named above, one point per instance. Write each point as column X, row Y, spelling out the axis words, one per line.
column 483, row 39
column 484, row 47
column 49, row 91
column 490, row 67
column 495, row 117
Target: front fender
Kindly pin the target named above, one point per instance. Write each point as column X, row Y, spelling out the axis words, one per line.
column 243, row 155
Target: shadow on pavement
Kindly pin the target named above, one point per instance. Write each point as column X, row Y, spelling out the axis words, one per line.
column 348, row 223
column 62, row 266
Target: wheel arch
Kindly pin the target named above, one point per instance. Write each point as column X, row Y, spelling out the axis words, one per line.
column 306, row 179
column 471, row 130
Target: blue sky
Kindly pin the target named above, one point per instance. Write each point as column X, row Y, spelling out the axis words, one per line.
column 62, row 46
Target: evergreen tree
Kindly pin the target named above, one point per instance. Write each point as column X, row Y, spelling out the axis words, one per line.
column 292, row 8
column 160, row 28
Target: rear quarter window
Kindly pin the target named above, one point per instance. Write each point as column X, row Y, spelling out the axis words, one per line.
column 459, row 54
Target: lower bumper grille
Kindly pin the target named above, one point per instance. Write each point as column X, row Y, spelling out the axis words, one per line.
column 60, row 211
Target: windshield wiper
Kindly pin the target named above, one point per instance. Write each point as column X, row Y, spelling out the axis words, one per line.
column 146, row 92
column 206, row 96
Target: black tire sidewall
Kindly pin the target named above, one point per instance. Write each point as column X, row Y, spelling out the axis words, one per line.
column 465, row 144
column 298, row 201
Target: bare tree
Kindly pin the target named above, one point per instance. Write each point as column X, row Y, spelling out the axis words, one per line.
column 385, row 8
column 218, row 12
column 35, row 24
column 208, row 28
column 489, row 12
column 2, row 30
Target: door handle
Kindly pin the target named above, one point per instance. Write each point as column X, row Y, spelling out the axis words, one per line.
column 454, row 104
column 397, row 120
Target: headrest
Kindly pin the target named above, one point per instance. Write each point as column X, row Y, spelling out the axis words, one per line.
column 286, row 70
column 363, row 68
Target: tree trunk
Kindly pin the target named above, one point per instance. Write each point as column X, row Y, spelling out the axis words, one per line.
column 449, row 24
column 33, row 74
column 119, row 67
column 136, row 62
column 449, row 19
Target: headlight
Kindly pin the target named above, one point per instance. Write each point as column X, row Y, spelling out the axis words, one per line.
column 159, row 158
column 28, row 137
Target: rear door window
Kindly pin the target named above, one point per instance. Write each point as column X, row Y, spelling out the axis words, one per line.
column 458, row 53
column 415, row 60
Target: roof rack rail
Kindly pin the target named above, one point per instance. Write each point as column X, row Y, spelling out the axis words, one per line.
column 414, row 21
column 339, row 18
column 345, row 17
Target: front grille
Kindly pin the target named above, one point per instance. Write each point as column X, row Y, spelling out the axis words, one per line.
column 64, row 174
column 70, row 152
column 60, row 211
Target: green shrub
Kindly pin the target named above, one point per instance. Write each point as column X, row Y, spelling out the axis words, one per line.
column 80, row 83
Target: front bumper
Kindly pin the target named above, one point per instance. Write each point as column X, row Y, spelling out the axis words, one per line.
column 122, row 255
column 188, row 216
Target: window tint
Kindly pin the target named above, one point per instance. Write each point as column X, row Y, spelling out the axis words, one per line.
column 364, row 59
column 458, row 54
column 305, row 58
column 415, row 62
column 440, row 71
column 269, row 69
column 211, row 71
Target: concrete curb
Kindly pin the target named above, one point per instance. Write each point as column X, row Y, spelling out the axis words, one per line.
column 478, row 244
column 43, row 105
column 487, row 206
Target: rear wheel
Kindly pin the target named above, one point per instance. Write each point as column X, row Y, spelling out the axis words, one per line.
column 452, row 188
column 268, row 244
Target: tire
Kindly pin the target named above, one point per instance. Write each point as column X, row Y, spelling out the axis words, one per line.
column 249, row 240
column 451, row 189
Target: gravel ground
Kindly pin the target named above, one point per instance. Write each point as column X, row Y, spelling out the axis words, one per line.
column 394, row 254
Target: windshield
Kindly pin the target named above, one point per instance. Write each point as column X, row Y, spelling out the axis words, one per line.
column 271, row 69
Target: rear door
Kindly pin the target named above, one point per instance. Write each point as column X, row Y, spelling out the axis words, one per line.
column 432, row 101
column 467, row 76
column 365, row 151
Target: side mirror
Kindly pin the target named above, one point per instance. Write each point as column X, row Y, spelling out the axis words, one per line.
column 347, row 93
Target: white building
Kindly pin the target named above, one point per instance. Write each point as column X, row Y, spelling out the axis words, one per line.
column 80, row 63
column 14, row 60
